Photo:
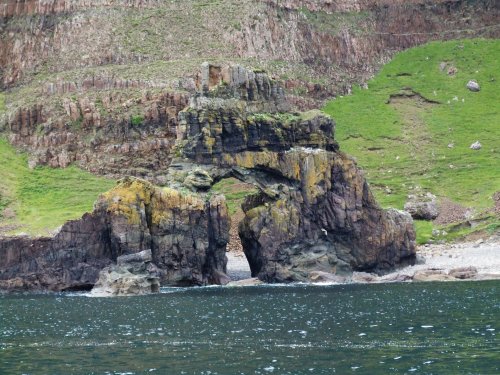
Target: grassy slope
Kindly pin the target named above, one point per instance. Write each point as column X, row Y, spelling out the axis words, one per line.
column 44, row 198
column 234, row 191
column 403, row 145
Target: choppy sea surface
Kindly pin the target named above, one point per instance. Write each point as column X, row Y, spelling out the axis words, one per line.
column 426, row 328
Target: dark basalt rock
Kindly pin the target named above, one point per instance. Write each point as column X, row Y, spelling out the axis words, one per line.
column 187, row 237
column 315, row 211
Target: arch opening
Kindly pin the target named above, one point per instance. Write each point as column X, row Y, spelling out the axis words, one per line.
column 235, row 191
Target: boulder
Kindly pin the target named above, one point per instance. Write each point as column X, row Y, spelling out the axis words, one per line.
column 326, row 277
column 463, row 272
column 422, row 206
column 475, row 146
column 472, row 85
column 198, row 180
column 432, row 275
column 363, row 277
column 134, row 274
column 395, row 278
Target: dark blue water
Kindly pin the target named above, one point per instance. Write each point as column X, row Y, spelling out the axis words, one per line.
column 428, row 328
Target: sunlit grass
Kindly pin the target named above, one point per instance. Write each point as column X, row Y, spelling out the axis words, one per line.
column 42, row 199
column 403, row 146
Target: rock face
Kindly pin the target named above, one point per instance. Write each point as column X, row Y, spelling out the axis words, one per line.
column 109, row 134
column 355, row 35
column 133, row 274
column 314, row 212
column 328, row 221
column 187, row 237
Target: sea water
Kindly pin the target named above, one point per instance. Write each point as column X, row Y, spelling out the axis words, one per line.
column 415, row 328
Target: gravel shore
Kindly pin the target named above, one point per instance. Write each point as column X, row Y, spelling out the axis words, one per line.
column 237, row 266
column 483, row 255
column 435, row 263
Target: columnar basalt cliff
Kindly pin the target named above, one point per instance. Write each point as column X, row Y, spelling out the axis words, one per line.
column 353, row 37
column 110, row 134
column 186, row 235
column 96, row 82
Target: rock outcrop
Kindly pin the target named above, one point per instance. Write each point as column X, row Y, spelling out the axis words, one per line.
column 108, row 134
column 355, row 35
column 314, row 211
column 186, row 234
column 133, row 274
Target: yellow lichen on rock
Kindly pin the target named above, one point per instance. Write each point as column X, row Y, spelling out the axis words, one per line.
column 132, row 197
column 250, row 159
column 166, row 201
column 128, row 198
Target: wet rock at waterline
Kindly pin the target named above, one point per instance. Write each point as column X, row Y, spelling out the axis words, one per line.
column 134, row 274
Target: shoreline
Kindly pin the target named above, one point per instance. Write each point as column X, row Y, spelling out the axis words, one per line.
column 466, row 261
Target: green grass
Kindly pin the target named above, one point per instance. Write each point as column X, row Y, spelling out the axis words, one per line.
column 235, row 192
column 403, row 145
column 137, row 120
column 42, row 199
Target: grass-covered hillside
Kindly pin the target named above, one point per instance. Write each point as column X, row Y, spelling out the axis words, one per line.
column 40, row 200
column 412, row 128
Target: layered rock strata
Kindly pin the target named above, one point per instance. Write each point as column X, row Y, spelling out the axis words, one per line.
column 187, row 237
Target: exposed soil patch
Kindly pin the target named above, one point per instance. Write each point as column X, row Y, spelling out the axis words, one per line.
column 450, row 212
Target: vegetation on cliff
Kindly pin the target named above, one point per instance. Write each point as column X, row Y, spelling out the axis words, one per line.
column 412, row 128
column 36, row 201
